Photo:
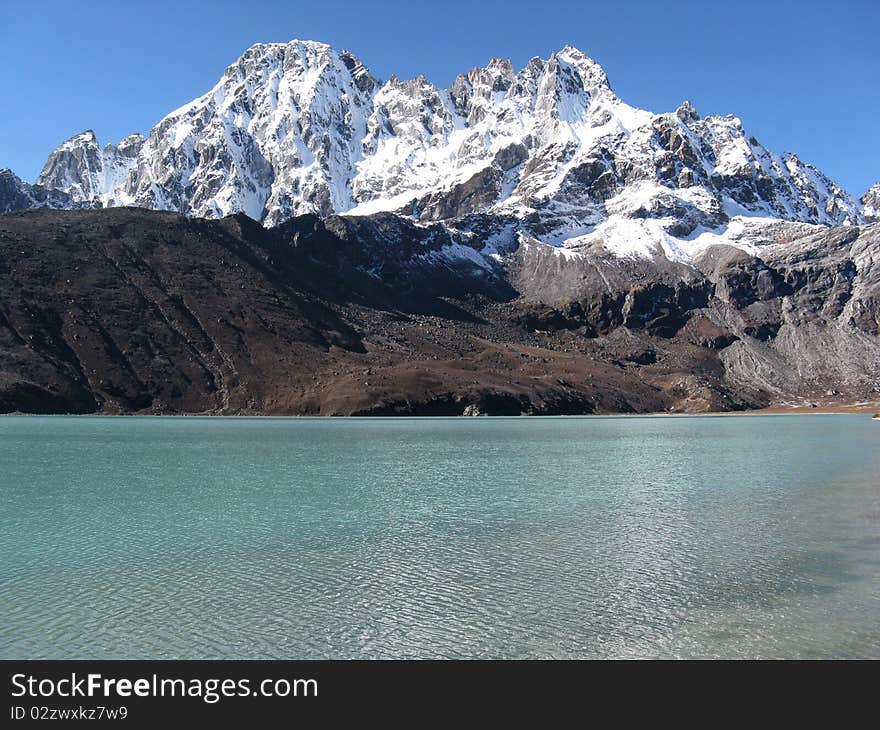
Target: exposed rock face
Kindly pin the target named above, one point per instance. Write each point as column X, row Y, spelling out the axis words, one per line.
column 87, row 173
column 15, row 194
column 299, row 128
column 127, row 310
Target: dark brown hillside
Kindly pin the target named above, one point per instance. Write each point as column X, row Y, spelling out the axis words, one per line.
column 133, row 311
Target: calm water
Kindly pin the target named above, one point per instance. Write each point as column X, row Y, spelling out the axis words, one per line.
column 521, row 537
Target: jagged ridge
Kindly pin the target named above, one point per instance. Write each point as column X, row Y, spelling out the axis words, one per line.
column 300, row 128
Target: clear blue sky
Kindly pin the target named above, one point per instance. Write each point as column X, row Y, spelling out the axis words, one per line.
column 803, row 76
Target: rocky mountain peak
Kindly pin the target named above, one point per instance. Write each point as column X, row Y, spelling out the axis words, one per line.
column 686, row 112
column 85, row 137
column 364, row 80
column 130, row 145
column 74, row 167
column 592, row 74
column 85, row 172
column 548, row 151
column 871, row 202
column 503, row 66
column 16, row 194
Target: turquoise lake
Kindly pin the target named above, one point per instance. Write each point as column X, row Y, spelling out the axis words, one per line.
column 592, row 537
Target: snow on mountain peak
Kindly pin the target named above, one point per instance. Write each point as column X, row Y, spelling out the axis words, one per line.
column 686, row 112
column 592, row 73
column 871, row 202
column 297, row 127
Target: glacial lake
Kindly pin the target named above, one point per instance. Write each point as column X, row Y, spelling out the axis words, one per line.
column 606, row 537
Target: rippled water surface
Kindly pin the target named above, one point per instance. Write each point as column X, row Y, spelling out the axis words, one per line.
column 525, row 537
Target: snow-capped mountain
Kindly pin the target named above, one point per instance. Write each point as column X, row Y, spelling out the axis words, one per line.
column 871, row 202
column 88, row 173
column 549, row 150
